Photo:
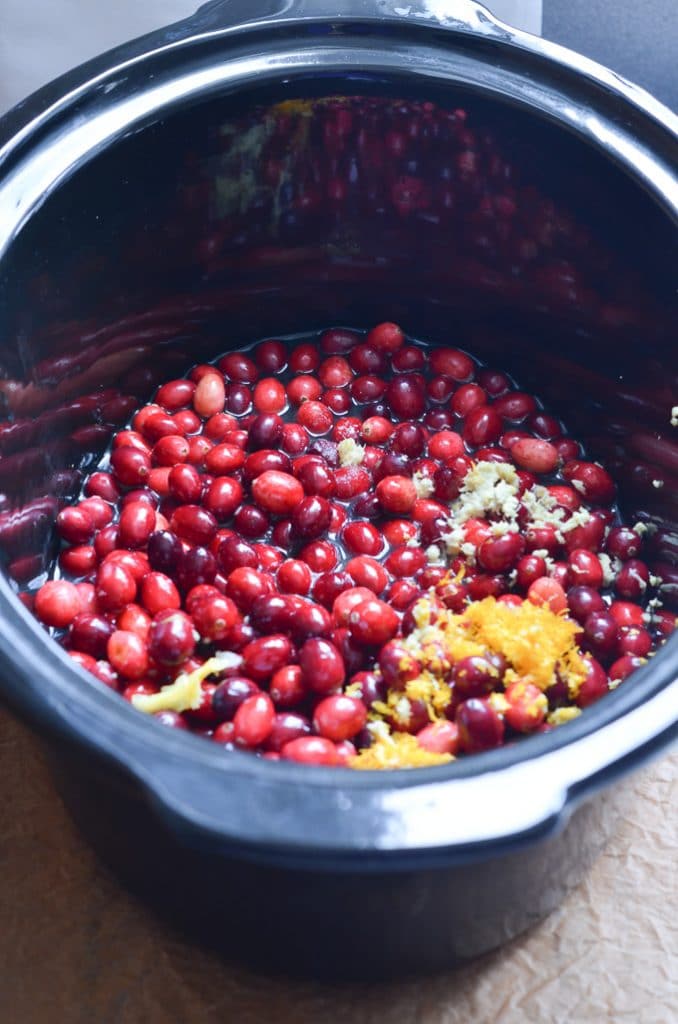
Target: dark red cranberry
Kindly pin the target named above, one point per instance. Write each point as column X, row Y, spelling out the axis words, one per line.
column 230, row 694
column 311, row 518
column 197, row 565
column 171, row 638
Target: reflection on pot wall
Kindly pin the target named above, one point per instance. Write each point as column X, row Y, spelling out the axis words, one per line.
column 472, row 224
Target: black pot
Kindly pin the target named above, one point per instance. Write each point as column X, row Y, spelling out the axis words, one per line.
column 485, row 188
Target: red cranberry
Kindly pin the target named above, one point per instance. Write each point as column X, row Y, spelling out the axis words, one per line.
column 253, row 721
column 409, row 439
column 245, row 585
column 339, row 717
column 595, row 684
column 406, row 398
column 373, row 622
column 632, row 580
column 476, row 676
column 480, row 726
column 482, row 426
column 89, row 633
column 311, row 750
column 311, row 517
column 263, row 657
column 287, row 726
column 251, row 522
column 362, row 538
column 75, row 525
column 398, row 666
column 265, row 431
column 450, row 362
column 585, row 569
column 386, row 337
column 322, row 666
column 600, row 631
column 269, row 396
column 127, row 654
column 170, row 639
column 635, row 641
column 584, row 600
column 594, row 482
column 287, row 687
column 197, row 565
column 57, row 603
column 499, row 554
column 623, row 543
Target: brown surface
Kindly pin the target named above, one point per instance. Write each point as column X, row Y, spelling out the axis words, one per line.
column 76, row 949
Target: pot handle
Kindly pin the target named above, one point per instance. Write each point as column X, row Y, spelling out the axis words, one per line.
column 458, row 15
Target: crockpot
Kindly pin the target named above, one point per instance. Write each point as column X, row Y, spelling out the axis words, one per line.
column 275, row 167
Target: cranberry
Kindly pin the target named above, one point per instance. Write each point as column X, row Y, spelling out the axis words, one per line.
column 623, row 543
column 439, row 738
column 89, row 633
column 406, row 398
column 320, row 556
column 527, row 707
column 229, row 695
column 624, row 666
column 548, row 592
column 475, row 676
column 75, row 525
column 398, row 666
column 263, row 657
column 304, row 358
column 396, row 494
column 594, row 482
column 253, row 721
column 625, row 613
column 57, row 603
column 480, row 726
column 276, row 492
column 175, row 394
column 366, row 572
column 338, row 340
column 115, row 587
column 287, row 686
column 409, row 439
column 585, row 569
column 595, row 684
column 170, row 639
column 127, row 654
column 287, row 726
column 315, row 417
column 450, row 362
column 158, row 593
column 535, row 456
column 482, row 426
column 311, row 750
column 515, row 406
column 164, row 552
column 304, row 389
column 339, row 717
column 311, row 517
column 317, row 478
column 193, row 524
column 386, row 337
column 322, row 666
column 635, row 641
column 269, row 396
column 467, row 398
column 632, row 580
column 373, row 622
column 600, row 631
column 405, row 561
column 584, row 600
column 210, row 395
column 294, row 577
column 251, row 522
column 362, row 538
column 245, row 585
column 499, row 554
column 265, row 431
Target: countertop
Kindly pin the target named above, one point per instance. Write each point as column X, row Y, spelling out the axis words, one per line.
column 75, row 948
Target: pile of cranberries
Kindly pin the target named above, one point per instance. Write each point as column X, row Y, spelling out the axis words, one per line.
column 283, row 504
